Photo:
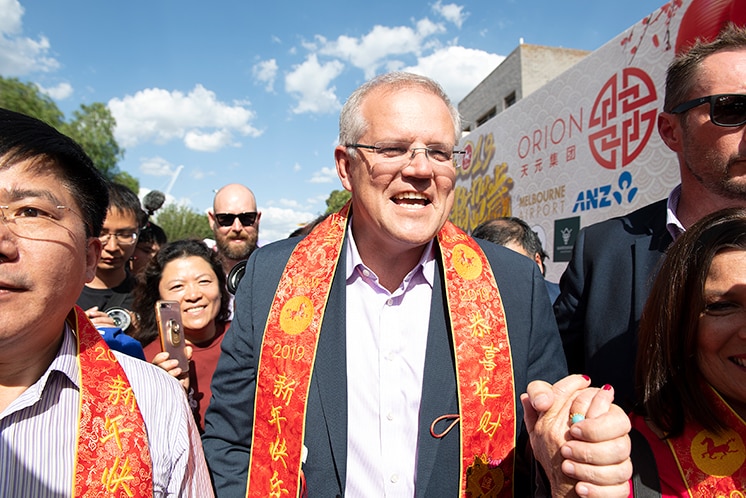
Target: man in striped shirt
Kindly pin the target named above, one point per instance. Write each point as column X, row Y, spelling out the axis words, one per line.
column 75, row 418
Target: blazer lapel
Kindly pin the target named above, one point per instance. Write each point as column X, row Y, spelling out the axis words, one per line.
column 438, row 386
column 330, row 370
column 648, row 252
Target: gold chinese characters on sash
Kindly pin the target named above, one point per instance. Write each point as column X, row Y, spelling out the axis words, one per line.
column 112, row 457
column 484, row 370
column 483, row 367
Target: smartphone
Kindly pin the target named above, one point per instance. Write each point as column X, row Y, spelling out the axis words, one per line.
column 171, row 331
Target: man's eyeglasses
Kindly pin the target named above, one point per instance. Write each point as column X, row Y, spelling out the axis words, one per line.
column 401, row 153
column 726, row 109
column 122, row 238
column 36, row 220
column 227, row 219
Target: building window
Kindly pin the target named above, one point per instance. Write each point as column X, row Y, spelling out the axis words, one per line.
column 509, row 100
column 487, row 116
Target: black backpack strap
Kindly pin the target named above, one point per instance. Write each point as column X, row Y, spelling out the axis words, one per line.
column 645, row 482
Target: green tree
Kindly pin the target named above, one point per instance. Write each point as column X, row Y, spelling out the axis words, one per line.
column 181, row 222
column 92, row 126
column 337, row 199
column 27, row 99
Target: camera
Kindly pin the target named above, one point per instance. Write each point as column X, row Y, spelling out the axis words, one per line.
column 121, row 317
column 235, row 276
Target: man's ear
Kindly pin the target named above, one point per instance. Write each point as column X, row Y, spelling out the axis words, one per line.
column 670, row 130
column 344, row 163
column 537, row 258
column 92, row 255
column 211, row 219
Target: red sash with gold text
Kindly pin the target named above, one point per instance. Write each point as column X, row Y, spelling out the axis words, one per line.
column 484, row 366
column 113, row 458
column 713, row 464
column 484, row 370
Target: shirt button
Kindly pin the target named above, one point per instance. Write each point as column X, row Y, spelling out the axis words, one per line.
column 394, row 478
column 389, row 301
column 390, row 416
column 366, row 273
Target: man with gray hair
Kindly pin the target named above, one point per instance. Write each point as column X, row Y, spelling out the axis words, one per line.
column 351, row 364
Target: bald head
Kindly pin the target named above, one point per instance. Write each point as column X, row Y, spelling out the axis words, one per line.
column 235, row 236
column 234, row 196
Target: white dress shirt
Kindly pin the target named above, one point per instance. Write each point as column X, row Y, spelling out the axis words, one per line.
column 386, row 342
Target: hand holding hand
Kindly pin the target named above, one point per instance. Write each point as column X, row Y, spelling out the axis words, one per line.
column 589, row 457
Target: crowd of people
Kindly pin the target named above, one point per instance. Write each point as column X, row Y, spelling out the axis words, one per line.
column 380, row 351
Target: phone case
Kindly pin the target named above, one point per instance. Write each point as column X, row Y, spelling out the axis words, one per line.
column 171, row 331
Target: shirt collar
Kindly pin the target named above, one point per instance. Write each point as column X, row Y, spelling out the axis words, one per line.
column 426, row 265
column 66, row 361
column 673, row 225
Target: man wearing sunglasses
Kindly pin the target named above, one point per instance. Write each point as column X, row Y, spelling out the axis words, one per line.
column 605, row 286
column 235, row 222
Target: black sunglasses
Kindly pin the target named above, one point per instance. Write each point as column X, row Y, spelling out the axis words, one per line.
column 227, row 219
column 726, row 109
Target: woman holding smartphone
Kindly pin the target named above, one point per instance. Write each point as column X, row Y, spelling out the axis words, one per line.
column 190, row 273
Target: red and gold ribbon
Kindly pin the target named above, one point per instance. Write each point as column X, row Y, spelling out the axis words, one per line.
column 484, row 367
column 287, row 357
column 113, row 457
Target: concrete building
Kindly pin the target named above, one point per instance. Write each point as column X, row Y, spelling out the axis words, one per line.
column 525, row 70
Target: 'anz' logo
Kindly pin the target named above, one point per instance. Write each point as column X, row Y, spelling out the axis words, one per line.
column 603, row 197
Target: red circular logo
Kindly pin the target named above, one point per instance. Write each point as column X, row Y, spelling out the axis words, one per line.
column 623, row 118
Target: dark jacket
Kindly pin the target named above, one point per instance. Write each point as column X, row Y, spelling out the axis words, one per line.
column 535, row 346
column 603, row 292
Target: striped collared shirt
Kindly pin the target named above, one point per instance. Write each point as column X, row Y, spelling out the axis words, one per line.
column 38, row 433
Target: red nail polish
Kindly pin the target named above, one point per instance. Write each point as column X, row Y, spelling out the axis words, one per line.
column 587, row 378
column 606, row 387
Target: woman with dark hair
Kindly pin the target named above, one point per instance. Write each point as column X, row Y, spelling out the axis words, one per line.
column 189, row 272
column 691, row 365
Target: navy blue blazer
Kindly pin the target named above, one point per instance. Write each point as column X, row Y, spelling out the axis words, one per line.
column 602, row 294
column 535, row 347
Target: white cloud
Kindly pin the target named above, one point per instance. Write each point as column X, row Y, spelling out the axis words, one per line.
column 451, row 12
column 279, row 222
column 59, row 92
column 197, row 118
column 11, row 13
column 325, row 175
column 156, row 166
column 297, row 167
column 457, row 69
column 265, row 72
column 209, row 142
column 309, row 83
column 20, row 55
column 371, row 50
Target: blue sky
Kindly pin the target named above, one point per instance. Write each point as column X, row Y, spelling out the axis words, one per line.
column 209, row 93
